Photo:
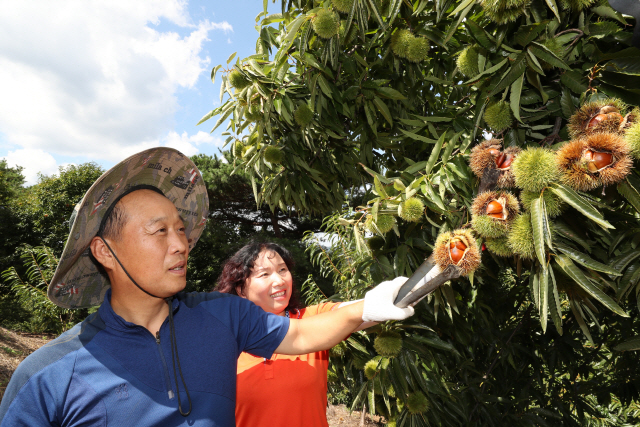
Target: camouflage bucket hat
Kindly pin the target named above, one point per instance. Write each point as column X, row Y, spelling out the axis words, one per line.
column 77, row 282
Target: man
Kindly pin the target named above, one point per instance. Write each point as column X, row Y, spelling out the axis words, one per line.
column 152, row 355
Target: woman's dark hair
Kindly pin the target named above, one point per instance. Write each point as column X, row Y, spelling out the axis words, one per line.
column 238, row 268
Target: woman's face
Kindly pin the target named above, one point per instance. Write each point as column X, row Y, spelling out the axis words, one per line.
column 270, row 283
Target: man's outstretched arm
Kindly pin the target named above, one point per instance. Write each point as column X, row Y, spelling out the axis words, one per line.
column 325, row 330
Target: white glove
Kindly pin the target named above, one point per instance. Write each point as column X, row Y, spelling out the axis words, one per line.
column 378, row 302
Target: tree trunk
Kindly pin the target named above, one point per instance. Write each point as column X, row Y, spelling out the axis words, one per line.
column 274, row 224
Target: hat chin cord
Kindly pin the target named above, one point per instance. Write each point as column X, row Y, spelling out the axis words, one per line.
column 172, row 336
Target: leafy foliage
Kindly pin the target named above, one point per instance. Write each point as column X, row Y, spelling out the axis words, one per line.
column 403, row 129
column 31, row 292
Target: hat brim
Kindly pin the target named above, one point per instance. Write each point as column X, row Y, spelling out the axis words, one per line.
column 77, row 282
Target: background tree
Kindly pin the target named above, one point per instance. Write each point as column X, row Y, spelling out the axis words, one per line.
column 396, row 97
column 37, row 226
column 234, row 220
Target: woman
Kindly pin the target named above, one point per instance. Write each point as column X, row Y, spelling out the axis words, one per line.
column 284, row 390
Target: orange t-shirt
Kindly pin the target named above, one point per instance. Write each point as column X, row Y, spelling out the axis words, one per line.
column 285, row 390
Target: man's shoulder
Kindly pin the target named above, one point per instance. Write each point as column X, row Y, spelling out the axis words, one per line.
column 192, row 299
column 47, row 362
column 68, row 342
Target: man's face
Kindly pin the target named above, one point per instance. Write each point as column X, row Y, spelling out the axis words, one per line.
column 153, row 246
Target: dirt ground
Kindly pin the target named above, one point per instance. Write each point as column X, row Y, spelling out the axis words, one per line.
column 15, row 346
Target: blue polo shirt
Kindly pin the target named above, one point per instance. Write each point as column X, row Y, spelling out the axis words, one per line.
column 111, row 373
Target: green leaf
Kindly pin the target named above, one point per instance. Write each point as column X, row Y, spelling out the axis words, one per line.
column 379, row 187
column 418, row 137
column 554, row 303
column 620, row 262
column 544, row 298
column 213, row 73
column 231, row 57
column 488, row 71
column 554, row 8
column 576, row 274
column 629, row 65
column 481, row 36
column 542, row 52
column 461, row 7
column 585, row 260
column 573, row 80
column 629, row 345
column 387, row 92
column 580, row 203
column 630, row 193
column 528, row 33
column 384, row 110
column 537, row 224
column 579, row 315
column 516, row 89
column 434, row 154
column 607, row 11
column 375, row 174
column 566, row 104
column 517, row 69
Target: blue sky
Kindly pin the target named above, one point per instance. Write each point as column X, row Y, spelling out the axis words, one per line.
column 90, row 80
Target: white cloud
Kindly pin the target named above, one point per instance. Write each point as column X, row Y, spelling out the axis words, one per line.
column 189, row 144
column 96, row 77
column 33, row 161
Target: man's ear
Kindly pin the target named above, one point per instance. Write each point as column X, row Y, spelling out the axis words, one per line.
column 101, row 253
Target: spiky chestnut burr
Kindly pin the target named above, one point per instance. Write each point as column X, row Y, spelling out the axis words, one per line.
column 338, row 350
column 375, row 243
column 388, row 343
column 358, row 362
column 597, row 159
column 400, row 41
column 373, row 366
column 238, row 149
column 504, row 11
column 253, row 113
column 597, row 116
column 411, row 210
column 629, row 120
column 343, row 6
column 273, row 155
column 418, row 49
column 384, row 224
column 489, row 155
column 303, row 115
column 535, row 168
column 467, row 61
column 326, row 23
column 499, row 246
column 417, row 403
column 576, row 5
column 238, row 80
column 458, row 248
column 492, row 213
column 504, row 161
column 553, row 203
column 631, row 128
column 520, row 237
column 498, row 116
column 483, row 156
